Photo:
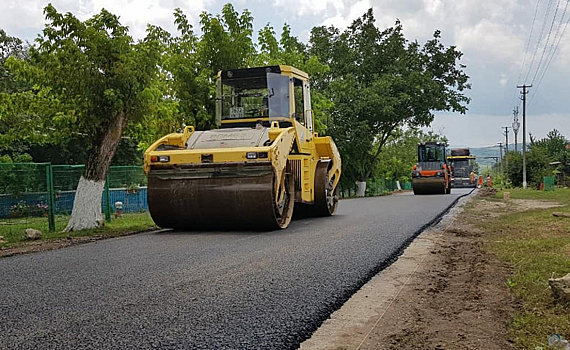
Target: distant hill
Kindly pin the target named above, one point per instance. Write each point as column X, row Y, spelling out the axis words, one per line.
column 490, row 151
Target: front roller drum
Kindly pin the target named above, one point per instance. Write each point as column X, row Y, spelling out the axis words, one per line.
column 220, row 198
column 429, row 185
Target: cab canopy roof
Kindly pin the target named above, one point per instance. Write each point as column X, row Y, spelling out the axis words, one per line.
column 432, row 144
column 229, row 75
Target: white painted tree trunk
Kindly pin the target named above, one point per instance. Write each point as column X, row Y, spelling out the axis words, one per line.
column 361, row 188
column 86, row 212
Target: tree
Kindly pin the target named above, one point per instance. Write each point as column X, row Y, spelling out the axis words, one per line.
column 554, row 144
column 380, row 82
column 541, row 152
column 11, row 47
column 90, row 78
column 288, row 50
column 536, row 167
column 401, row 153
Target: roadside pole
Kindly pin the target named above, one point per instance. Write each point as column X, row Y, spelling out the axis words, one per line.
column 523, row 98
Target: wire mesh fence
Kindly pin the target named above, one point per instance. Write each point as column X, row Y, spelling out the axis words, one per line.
column 41, row 195
column 375, row 187
column 24, row 195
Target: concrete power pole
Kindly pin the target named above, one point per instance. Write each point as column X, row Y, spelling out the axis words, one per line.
column 523, row 98
column 516, row 125
column 501, row 153
column 506, row 133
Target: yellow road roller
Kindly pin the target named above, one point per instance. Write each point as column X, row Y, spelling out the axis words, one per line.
column 263, row 161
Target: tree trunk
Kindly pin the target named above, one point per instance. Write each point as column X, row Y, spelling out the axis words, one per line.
column 361, row 191
column 86, row 213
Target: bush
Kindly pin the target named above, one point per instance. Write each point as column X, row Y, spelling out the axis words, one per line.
column 22, row 209
column 536, row 167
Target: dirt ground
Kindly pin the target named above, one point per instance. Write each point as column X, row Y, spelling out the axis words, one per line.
column 444, row 292
column 458, row 297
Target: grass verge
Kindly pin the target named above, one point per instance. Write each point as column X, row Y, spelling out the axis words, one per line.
column 537, row 245
column 13, row 230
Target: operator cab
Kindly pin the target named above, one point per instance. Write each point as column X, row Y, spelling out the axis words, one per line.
column 252, row 96
column 431, row 152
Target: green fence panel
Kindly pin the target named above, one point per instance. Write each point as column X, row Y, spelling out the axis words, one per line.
column 129, row 177
column 25, row 198
column 548, row 182
column 41, row 195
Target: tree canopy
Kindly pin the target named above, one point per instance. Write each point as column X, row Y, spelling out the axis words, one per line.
column 379, row 82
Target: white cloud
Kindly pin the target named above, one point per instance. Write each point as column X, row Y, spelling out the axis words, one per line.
column 503, row 80
column 355, row 11
column 304, row 7
column 22, row 17
column 494, row 40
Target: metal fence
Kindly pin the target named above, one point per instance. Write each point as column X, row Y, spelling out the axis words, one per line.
column 375, row 187
column 44, row 192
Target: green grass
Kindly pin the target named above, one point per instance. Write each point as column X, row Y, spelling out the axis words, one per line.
column 13, row 229
column 537, row 245
column 561, row 195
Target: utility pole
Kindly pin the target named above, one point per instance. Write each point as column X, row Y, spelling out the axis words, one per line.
column 523, row 98
column 506, row 133
column 516, row 125
column 501, row 153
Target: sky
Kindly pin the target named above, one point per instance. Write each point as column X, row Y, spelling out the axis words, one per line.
column 505, row 43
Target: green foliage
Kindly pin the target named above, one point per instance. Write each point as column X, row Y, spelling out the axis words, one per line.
column 226, row 40
column 80, row 77
column 552, row 148
column 380, row 82
column 11, row 47
column 88, row 78
column 400, row 153
column 554, row 144
column 18, row 176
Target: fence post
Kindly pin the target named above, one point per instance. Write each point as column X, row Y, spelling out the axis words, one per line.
column 107, row 200
column 51, row 199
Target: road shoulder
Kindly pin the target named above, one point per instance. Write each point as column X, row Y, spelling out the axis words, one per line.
column 444, row 292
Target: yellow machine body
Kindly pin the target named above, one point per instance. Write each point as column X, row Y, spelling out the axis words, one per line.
column 250, row 173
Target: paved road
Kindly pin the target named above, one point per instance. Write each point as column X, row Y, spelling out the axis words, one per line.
column 215, row 290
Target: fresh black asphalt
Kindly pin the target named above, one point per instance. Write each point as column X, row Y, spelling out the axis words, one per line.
column 206, row 290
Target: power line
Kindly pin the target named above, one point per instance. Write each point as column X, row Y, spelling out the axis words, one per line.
column 528, row 44
column 547, row 41
column 555, row 48
column 526, row 50
column 539, row 39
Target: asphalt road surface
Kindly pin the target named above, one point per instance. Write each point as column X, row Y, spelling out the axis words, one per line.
column 206, row 290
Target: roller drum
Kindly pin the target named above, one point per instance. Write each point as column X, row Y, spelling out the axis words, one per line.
column 429, row 185
column 216, row 196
